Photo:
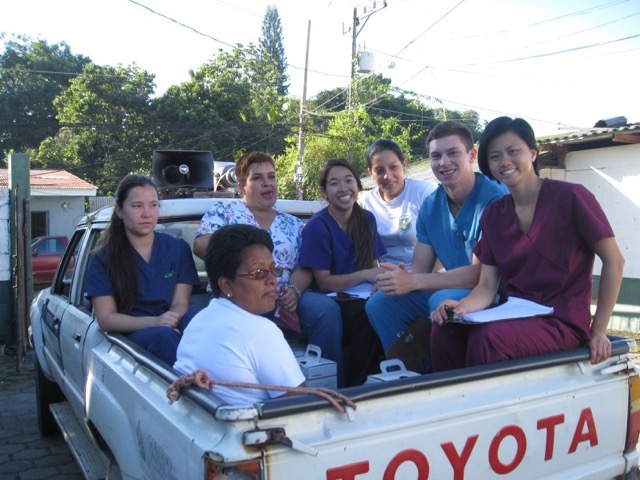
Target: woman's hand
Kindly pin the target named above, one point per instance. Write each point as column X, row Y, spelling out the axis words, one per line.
column 169, row 319
column 599, row 347
column 289, row 300
column 439, row 316
column 371, row 274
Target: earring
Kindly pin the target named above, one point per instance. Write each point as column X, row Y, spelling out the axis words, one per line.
column 229, row 295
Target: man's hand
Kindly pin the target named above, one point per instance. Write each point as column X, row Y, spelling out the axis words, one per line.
column 396, row 280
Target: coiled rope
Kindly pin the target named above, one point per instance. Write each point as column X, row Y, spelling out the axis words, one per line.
column 202, row 379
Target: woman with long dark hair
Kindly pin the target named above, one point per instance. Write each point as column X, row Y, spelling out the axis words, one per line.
column 341, row 245
column 139, row 281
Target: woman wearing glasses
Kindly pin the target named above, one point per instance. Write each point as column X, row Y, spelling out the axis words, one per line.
column 319, row 316
column 139, row 281
column 230, row 338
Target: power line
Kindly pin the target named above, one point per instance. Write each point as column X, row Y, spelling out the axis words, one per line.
column 545, row 21
column 182, row 24
column 559, row 52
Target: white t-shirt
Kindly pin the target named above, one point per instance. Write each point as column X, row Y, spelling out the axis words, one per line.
column 397, row 219
column 234, row 345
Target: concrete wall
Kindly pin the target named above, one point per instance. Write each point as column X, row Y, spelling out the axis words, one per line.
column 6, row 295
column 613, row 175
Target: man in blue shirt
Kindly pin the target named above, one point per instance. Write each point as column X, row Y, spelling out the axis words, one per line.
column 448, row 228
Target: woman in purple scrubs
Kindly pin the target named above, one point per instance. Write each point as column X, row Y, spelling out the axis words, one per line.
column 540, row 242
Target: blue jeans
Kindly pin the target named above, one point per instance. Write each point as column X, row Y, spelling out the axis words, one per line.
column 390, row 315
column 321, row 322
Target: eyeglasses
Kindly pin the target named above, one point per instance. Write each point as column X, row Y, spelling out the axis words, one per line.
column 262, row 273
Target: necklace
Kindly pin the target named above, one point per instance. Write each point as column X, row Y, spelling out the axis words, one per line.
column 454, row 205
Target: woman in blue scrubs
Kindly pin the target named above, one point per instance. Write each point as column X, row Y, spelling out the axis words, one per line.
column 139, row 281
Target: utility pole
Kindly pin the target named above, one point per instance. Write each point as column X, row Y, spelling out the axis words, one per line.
column 354, row 35
column 298, row 176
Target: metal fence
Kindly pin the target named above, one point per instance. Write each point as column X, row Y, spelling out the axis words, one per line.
column 98, row 202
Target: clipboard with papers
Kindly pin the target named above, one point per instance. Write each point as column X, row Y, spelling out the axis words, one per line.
column 361, row 290
column 513, row 308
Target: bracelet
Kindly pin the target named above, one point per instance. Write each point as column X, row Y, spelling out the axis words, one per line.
column 296, row 289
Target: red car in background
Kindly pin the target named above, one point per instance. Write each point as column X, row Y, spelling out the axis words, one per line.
column 46, row 252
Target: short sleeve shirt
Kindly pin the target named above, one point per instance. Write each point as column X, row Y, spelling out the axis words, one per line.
column 396, row 219
column 171, row 263
column 285, row 231
column 234, row 345
column 552, row 263
column 325, row 246
column 451, row 238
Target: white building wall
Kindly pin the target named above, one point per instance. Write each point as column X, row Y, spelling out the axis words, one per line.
column 613, row 175
column 61, row 221
column 5, row 254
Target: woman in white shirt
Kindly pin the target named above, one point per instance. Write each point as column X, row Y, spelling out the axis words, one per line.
column 230, row 338
column 395, row 201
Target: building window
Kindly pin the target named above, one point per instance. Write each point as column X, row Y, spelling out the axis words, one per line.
column 39, row 224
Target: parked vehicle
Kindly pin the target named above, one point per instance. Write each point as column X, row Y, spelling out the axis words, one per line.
column 553, row 417
column 46, row 252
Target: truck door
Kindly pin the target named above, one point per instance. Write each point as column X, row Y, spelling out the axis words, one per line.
column 77, row 320
column 57, row 303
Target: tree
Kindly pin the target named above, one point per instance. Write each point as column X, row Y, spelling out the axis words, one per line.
column 104, row 132
column 229, row 106
column 32, row 74
column 271, row 48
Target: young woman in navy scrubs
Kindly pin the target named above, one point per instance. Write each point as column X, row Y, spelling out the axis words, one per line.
column 139, row 281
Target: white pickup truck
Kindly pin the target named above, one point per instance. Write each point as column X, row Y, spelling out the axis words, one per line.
column 549, row 417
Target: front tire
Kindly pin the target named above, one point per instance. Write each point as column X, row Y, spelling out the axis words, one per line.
column 47, row 393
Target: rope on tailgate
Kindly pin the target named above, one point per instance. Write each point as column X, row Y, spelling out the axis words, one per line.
column 202, row 379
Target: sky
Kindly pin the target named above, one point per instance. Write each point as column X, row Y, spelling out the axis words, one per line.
column 561, row 65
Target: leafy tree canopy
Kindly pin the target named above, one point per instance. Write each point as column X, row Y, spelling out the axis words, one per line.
column 104, row 130
column 32, row 74
column 230, row 105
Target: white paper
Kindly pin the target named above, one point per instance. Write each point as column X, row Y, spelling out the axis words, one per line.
column 362, row 290
column 513, row 308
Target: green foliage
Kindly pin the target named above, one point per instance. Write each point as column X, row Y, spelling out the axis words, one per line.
column 230, row 105
column 32, row 74
column 271, row 50
column 101, row 122
column 104, row 132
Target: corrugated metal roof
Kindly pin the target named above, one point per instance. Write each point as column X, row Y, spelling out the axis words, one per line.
column 613, row 134
column 49, row 179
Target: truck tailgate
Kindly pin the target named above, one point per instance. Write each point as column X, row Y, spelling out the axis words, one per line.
column 561, row 422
